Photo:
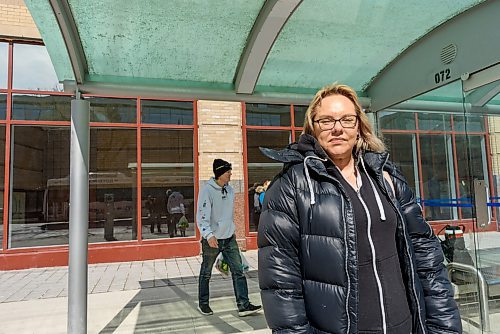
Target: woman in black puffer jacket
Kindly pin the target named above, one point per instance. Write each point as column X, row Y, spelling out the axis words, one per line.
column 343, row 246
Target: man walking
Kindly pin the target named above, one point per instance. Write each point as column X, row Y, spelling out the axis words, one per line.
column 215, row 222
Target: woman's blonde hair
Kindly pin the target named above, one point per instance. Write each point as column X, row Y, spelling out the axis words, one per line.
column 367, row 139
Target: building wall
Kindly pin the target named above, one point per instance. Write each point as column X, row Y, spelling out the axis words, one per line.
column 16, row 21
column 220, row 136
column 494, row 130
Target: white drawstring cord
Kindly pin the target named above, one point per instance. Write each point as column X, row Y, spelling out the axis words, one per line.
column 308, row 178
column 377, row 196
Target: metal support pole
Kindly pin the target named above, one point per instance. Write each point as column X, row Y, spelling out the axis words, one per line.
column 78, row 217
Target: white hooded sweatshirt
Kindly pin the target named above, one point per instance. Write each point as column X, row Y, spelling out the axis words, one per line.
column 215, row 214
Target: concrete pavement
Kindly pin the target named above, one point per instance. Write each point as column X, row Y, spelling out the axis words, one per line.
column 157, row 296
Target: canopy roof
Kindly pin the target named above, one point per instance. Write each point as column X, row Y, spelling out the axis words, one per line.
column 270, row 51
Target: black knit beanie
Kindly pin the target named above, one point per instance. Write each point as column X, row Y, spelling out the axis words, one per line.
column 220, row 167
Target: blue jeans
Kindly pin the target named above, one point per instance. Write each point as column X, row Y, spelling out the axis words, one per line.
column 231, row 253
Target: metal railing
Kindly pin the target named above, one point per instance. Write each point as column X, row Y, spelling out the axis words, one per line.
column 483, row 291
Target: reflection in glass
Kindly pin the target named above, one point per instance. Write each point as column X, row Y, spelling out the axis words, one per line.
column 167, row 183
column 402, row 150
column 41, row 107
column 167, row 112
column 260, row 168
column 299, row 115
column 473, row 123
column 40, row 196
column 4, row 62
column 33, row 69
column 437, row 177
column 2, row 178
column 297, row 135
column 107, row 110
column 392, row 120
column 434, row 122
column 267, row 114
column 471, row 163
column 113, row 184
column 3, row 106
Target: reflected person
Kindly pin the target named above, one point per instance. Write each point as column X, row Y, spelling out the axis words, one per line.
column 175, row 209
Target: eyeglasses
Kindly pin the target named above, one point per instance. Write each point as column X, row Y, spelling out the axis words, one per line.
column 347, row 122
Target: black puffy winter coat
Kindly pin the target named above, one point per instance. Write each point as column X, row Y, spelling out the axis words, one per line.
column 308, row 253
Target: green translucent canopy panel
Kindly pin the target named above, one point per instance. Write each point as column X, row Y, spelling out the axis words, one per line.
column 349, row 41
column 178, row 40
column 451, row 92
column 49, row 30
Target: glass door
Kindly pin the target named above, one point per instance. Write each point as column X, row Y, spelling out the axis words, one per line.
column 448, row 147
column 476, row 272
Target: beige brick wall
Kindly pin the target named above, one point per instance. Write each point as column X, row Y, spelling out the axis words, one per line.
column 494, row 129
column 220, row 136
column 16, row 21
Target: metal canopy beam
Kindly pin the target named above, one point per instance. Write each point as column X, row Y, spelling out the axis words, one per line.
column 272, row 17
column 440, row 57
column 481, row 78
column 71, row 38
column 191, row 93
column 482, row 95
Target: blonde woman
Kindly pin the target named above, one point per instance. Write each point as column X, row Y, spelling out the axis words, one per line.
column 343, row 246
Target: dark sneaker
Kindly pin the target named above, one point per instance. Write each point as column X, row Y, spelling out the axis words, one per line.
column 205, row 310
column 250, row 309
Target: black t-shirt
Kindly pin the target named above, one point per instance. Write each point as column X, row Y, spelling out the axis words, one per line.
column 383, row 240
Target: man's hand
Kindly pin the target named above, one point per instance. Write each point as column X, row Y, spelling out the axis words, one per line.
column 212, row 242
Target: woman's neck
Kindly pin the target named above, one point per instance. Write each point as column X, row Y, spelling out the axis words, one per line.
column 348, row 170
column 344, row 164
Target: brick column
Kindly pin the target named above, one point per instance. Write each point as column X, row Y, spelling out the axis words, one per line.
column 220, row 136
column 15, row 20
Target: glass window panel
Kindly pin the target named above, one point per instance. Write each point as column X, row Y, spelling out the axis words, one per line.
column 471, row 166
column 437, row 176
column 33, row 69
column 40, row 196
column 2, row 178
column 108, row 110
column 267, row 114
column 299, row 115
column 393, row 120
column 113, row 184
column 260, row 168
column 167, row 183
column 4, row 62
column 3, row 105
column 402, row 153
column 434, row 122
column 41, row 107
column 167, row 112
column 473, row 123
